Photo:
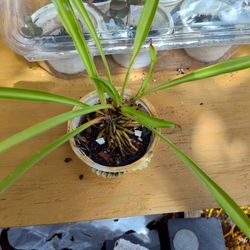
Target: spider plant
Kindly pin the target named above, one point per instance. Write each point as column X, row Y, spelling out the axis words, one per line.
column 67, row 12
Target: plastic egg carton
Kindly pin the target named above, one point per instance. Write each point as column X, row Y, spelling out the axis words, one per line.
column 33, row 30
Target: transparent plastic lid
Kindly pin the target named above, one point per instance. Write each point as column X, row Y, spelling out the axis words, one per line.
column 33, row 29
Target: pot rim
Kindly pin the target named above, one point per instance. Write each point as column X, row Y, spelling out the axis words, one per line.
column 139, row 164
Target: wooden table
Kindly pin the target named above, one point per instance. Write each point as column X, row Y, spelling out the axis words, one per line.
column 215, row 118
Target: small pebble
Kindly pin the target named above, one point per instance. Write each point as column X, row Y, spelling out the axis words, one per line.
column 138, row 133
column 67, row 160
column 100, row 141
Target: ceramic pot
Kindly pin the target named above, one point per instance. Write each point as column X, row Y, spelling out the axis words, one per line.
column 112, row 171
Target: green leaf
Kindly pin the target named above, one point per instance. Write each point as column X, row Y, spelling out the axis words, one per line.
column 110, row 89
column 70, row 22
column 214, row 70
column 79, row 6
column 142, row 30
column 37, row 96
column 223, row 199
column 46, row 125
column 39, row 155
column 144, row 118
column 149, row 77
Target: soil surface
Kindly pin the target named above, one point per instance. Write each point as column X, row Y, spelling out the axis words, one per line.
column 106, row 153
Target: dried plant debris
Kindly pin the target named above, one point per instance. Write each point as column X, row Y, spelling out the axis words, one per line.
column 234, row 238
column 181, row 71
column 81, row 177
column 68, row 160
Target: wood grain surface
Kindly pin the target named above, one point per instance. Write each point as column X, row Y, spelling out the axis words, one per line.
column 214, row 114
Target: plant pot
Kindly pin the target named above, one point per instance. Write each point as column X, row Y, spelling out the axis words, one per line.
column 192, row 13
column 112, row 171
column 46, row 18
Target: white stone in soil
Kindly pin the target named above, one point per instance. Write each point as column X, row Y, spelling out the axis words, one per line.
column 101, row 141
column 138, row 133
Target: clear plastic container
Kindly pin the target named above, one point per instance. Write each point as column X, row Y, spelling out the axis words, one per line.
column 33, row 30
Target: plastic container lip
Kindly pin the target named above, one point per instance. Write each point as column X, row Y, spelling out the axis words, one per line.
column 55, row 47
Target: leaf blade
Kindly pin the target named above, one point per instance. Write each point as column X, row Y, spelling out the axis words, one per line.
column 46, row 125
column 149, row 77
column 70, row 22
column 110, row 89
column 232, row 65
column 223, row 199
column 143, row 28
column 78, row 4
column 37, row 96
column 68, row 18
column 144, row 118
column 39, row 155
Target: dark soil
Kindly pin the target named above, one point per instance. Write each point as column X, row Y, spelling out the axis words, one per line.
column 106, row 154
